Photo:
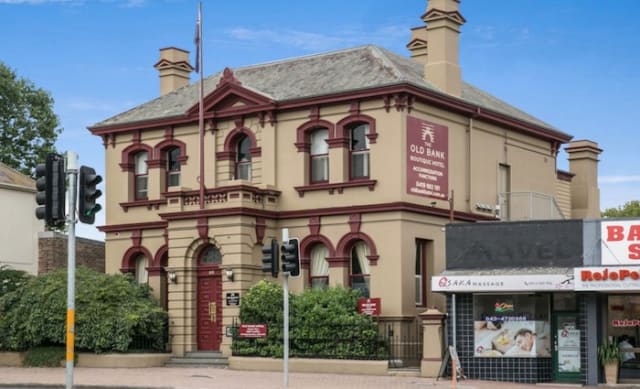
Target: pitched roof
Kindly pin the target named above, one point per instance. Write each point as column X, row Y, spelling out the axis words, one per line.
column 348, row 70
column 12, row 177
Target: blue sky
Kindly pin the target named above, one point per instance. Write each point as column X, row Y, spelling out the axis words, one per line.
column 571, row 63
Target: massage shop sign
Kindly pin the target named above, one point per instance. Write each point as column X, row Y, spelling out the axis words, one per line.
column 427, row 159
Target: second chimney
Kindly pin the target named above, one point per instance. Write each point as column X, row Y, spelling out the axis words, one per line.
column 442, row 34
column 174, row 68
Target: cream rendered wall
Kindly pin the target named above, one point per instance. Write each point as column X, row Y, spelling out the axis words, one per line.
column 19, row 249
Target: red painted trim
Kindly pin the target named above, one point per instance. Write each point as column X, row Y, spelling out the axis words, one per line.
column 261, row 226
column 127, row 156
column 434, row 98
column 339, row 187
column 128, row 264
column 231, row 141
column 355, row 221
column 203, row 228
column 161, row 148
column 351, row 120
column 130, row 226
column 564, row 176
column 161, row 259
column 150, row 204
column 303, row 143
column 346, row 242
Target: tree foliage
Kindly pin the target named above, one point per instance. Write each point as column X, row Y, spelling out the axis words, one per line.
column 111, row 310
column 11, row 279
column 28, row 124
column 323, row 323
column 629, row 209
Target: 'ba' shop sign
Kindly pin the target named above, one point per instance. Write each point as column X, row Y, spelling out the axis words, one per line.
column 607, row 278
column 620, row 242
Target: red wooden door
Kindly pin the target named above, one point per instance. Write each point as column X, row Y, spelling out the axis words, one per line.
column 209, row 331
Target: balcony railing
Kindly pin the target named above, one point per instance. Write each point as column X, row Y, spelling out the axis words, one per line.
column 527, row 206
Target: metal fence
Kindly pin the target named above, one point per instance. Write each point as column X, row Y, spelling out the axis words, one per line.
column 404, row 341
column 398, row 341
column 337, row 341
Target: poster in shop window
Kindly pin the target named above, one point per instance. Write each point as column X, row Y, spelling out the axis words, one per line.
column 511, row 336
column 568, row 350
column 427, row 159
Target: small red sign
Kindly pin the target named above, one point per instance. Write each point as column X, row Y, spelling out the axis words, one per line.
column 369, row 306
column 253, row 330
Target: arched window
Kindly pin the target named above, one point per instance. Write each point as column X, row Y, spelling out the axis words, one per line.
column 359, row 272
column 210, row 255
column 243, row 158
column 173, row 166
column 141, row 273
column 359, row 151
column 141, row 175
column 319, row 273
column 319, row 155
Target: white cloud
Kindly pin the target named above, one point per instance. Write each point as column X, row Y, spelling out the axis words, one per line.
column 618, row 179
column 317, row 41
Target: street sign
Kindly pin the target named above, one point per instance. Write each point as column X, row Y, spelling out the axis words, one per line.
column 369, row 306
column 253, row 330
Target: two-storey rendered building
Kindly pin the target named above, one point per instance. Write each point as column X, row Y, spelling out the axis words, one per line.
column 363, row 154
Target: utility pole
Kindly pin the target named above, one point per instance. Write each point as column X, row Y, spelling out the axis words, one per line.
column 72, row 177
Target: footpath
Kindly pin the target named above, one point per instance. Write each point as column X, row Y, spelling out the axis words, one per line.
column 213, row 378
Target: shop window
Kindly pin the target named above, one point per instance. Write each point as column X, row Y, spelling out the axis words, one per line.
column 420, row 275
column 319, row 273
column 173, row 166
column 141, row 175
column 359, row 151
column 243, row 159
column 319, row 156
column 141, row 273
column 511, row 326
column 359, row 272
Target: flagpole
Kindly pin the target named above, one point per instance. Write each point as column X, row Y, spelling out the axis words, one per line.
column 201, row 106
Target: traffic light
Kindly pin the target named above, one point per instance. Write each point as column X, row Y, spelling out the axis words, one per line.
column 88, row 194
column 291, row 257
column 51, row 189
column 270, row 258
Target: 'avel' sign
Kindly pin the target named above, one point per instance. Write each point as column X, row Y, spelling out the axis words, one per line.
column 620, row 242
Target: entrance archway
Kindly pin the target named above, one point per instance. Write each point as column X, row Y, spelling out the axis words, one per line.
column 209, row 298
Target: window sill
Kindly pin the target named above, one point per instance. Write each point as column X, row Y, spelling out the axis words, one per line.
column 339, row 187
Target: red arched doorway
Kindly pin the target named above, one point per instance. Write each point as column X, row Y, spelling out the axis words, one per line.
column 209, row 298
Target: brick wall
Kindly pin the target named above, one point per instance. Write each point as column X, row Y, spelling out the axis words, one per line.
column 52, row 252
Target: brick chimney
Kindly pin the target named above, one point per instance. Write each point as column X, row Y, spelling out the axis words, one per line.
column 174, row 69
column 443, row 21
column 585, row 194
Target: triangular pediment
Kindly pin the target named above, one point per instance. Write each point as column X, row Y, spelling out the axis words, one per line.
column 417, row 44
column 164, row 64
column 231, row 98
column 436, row 14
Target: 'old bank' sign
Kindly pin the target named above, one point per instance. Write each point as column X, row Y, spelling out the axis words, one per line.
column 427, row 158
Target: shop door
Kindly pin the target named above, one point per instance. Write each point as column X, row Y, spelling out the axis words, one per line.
column 566, row 347
column 209, row 332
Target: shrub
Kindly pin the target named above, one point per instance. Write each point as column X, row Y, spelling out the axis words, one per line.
column 11, row 279
column 323, row 323
column 110, row 311
column 46, row 356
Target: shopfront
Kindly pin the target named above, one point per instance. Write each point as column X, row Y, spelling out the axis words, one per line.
column 531, row 301
column 521, row 326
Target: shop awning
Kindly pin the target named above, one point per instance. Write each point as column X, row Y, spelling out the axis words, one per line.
column 523, row 279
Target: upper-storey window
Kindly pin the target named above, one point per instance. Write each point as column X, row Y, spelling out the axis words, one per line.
column 243, row 159
column 173, row 166
column 141, row 174
column 359, row 151
column 319, row 155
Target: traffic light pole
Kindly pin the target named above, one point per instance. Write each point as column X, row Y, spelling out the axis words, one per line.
column 72, row 175
column 285, row 291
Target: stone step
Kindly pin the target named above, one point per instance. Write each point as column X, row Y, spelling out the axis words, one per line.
column 199, row 359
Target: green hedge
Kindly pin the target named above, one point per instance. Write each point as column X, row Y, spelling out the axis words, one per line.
column 322, row 324
column 111, row 310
